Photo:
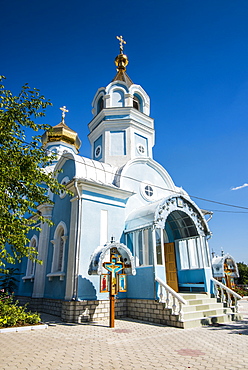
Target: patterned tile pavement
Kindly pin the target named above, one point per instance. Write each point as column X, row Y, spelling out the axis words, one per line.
column 130, row 345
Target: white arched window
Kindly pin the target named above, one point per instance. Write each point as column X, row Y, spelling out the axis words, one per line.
column 30, row 270
column 59, row 241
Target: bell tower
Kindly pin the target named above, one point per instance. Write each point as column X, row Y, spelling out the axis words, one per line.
column 121, row 128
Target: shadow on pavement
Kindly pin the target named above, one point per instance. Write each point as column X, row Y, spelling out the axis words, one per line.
column 236, row 327
column 52, row 320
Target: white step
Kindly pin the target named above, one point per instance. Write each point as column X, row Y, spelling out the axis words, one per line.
column 201, row 310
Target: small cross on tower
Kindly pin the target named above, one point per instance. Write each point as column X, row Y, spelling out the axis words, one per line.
column 64, row 111
column 122, row 41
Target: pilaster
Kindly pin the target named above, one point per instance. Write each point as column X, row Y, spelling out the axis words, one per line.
column 40, row 270
column 74, row 230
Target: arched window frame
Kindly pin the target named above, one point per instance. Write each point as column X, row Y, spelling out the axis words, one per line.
column 137, row 102
column 30, row 270
column 59, row 242
column 100, row 104
column 144, row 99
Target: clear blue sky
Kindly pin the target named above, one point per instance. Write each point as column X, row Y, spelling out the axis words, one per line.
column 190, row 56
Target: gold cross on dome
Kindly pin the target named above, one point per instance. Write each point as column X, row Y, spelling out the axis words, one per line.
column 64, row 111
column 122, row 41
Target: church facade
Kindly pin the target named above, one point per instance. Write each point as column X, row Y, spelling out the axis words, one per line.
column 121, row 198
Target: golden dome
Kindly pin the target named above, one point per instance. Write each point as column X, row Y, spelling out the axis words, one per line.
column 61, row 132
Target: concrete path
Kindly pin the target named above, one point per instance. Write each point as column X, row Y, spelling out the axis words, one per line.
column 130, row 345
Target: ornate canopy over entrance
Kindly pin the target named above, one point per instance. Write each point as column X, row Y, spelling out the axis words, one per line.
column 181, row 205
column 178, row 210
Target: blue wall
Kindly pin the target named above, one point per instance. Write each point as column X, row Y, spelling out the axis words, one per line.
column 55, row 288
column 141, row 285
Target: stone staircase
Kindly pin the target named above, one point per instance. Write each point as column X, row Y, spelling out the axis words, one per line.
column 202, row 310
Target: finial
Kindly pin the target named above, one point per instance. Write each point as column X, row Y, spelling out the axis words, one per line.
column 120, row 38
column 64, row 111
column 121, row 61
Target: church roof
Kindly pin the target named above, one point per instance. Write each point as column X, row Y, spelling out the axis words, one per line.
column 122, row 76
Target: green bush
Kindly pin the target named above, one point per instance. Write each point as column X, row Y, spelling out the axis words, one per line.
column 13, row 315
column 241, row 291
column 243, row 273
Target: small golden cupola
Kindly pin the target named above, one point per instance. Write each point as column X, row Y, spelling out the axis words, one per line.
column 61, row 133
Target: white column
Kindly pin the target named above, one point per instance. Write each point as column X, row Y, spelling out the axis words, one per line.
column 128, row 100
column 40, row 270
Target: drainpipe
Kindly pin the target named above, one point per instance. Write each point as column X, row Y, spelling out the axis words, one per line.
column 78, row 237
column 154, row 259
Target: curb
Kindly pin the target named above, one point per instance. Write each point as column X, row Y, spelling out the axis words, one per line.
column 23, row 328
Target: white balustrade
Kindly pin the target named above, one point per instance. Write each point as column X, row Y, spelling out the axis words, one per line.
column 226, row 295
column 172, row 299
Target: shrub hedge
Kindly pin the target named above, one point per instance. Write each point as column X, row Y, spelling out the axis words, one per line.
column 11, row 314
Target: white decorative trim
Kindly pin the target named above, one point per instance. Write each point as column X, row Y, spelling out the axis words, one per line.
column 150, row 162
column 98, row 151
column 170, row 204
column 30, row 269
column 141, row 149
column 99, row 269
column 148, row 191
column 51, row 275
column 28, row 277
column 103, row 200
column 64, row 181
column 56, row 245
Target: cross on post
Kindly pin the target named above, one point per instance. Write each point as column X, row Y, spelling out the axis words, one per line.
column 64, row 111
column 114, row 266
column 122, row 41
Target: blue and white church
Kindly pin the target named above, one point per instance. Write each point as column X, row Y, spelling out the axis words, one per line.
column 122, row 198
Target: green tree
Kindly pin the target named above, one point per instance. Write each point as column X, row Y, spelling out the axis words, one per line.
column 9, row 280
column 243, row 273
column 23, row 180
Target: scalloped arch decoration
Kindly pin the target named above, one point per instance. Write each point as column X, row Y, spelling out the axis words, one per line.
column 178, row 202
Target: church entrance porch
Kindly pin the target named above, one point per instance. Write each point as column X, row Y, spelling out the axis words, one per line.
column 168, row 240
column 186, row 254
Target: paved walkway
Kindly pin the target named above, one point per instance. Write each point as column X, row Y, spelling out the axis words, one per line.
column 130, row 345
